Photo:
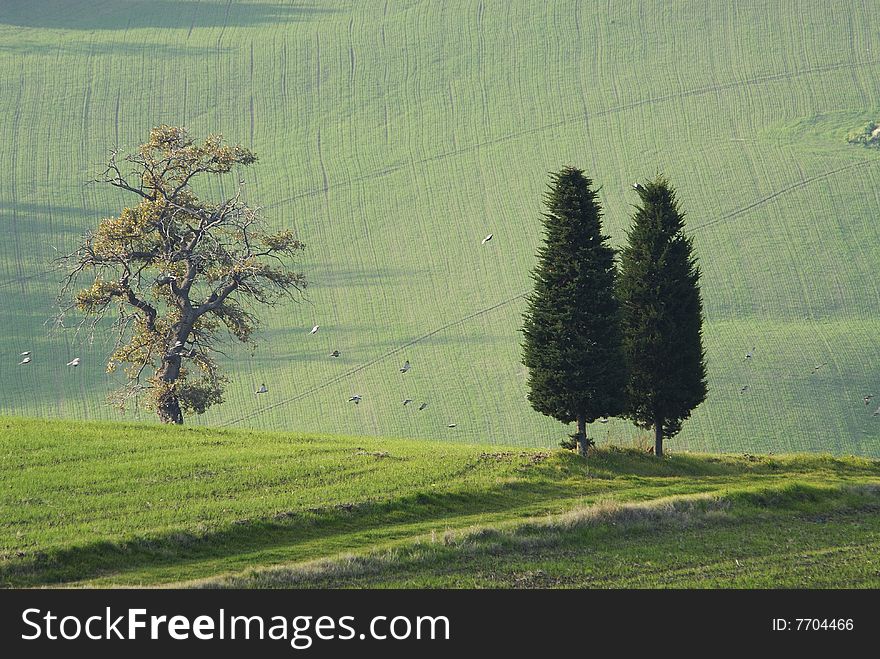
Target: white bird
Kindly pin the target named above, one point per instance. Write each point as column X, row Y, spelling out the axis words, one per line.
column 744, row 389
column 355, row 399
column 263, row 389
column 637, row 186
column 405, row 367
column 26, row 353
column 868, row 399
column 314, row 329
column 603, row 420
column 407, row 401
column 877, row 412
column 26, row 360
column 335, row 353
column 74, row 362
column 451, row 425
column 422, row 406
column 176, row 349
column 486, row 239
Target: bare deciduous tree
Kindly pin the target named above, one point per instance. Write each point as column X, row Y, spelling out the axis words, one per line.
column 175, row 271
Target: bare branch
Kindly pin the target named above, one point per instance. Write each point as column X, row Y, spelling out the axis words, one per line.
column 181, row 272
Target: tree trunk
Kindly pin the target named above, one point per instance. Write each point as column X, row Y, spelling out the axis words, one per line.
column 582, row 435
column 169, row 407
column 658, row 438
column 169, row 410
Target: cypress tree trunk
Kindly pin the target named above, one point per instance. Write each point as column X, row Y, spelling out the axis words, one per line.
column 658, row 438
column 582, row 434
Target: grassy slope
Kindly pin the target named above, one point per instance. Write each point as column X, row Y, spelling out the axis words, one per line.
column 104, row 503
column 394, row 136
column 789, row 537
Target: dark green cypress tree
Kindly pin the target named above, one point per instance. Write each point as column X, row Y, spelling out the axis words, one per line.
column 662, row 316
column 571, row 326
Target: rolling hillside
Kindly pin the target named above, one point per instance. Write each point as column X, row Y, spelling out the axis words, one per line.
column 395, row 135
column 100, row 504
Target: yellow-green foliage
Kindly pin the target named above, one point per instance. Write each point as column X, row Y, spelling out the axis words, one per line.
column 180, row 269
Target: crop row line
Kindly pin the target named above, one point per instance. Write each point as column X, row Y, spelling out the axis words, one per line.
column 585, row 116
column 519, row 296
column 326, row 187
column 376, row 360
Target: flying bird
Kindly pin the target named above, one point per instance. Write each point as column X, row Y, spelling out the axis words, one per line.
column 486, row 239
column 407, row 401
column 744, row 389
column 263, row 389
column 314, row 329
column 637, row 186
column 405, row 367
column 26, row 360
column 422, row 406
column 74, row 362
column 868, row 399
column 191, row 354
column 750, row 353
column 816, row 369
column 335, row 353
column 355, row 399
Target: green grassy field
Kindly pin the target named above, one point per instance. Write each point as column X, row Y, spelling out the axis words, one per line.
column 395, row 135
column 101, row 504
column 794, row 537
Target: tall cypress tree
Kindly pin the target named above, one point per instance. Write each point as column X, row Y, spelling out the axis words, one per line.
column 662, row 315
column 571, row 326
